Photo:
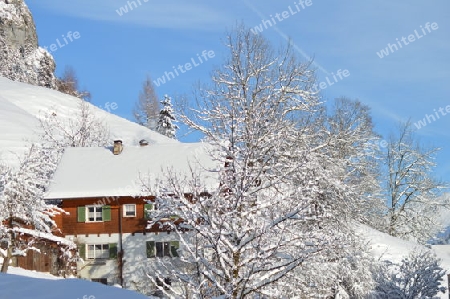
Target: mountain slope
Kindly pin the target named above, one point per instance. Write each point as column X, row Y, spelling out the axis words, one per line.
column 21, row 105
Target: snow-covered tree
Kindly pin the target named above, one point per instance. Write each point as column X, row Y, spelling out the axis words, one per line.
column 418, row 276
column 166, row 118
column 84, row 130
column 282, row 202
column 146, row 110
column 351, row 137
column 413, row 194
column 68, row 84
column 24, row 216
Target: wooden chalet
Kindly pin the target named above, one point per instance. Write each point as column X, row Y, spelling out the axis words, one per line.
column 106, row 211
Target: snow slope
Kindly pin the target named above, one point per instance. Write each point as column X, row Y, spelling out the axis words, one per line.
column 16, row 286
column 21, row 104
column 388, row 248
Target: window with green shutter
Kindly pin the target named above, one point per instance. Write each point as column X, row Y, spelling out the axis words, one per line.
column 147, row 209
column 150, row 249
column 113, row 250
column 106, row 213
column 82, row 251
column 174, row 246
column 81, row 212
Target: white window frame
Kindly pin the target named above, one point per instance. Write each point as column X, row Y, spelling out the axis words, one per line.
column 163, row 245
column 96, row 207
column 99, row 251
column 165, row 249
column 125, row 210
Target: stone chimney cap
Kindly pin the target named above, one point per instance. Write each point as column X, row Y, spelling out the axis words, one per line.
column 118, row 147
column 143, row 142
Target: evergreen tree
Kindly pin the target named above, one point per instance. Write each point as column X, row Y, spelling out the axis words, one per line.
column 166, row 118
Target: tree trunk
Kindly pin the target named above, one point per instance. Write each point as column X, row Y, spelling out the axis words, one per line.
column 6, row 261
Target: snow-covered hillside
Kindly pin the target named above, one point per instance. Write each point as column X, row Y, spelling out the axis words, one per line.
column 21, row 105
column 25, row 284
column 388, row 248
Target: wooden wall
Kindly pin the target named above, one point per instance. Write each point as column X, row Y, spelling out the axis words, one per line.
column 69, row 224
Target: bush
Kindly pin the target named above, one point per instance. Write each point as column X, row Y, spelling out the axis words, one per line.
column 418, row 276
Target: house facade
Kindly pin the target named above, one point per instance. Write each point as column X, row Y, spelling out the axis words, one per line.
column 107, row 210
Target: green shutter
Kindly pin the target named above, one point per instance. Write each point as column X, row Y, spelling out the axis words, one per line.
column 81, row 212
column 150, row 248
column 106, row 213
column 174, row 245
column 147, row 208
column 82, row 251
column 113, row 250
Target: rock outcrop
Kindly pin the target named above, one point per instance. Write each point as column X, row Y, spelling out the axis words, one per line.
column 21, row 59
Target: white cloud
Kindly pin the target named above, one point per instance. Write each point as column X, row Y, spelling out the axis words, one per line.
column 195, row 14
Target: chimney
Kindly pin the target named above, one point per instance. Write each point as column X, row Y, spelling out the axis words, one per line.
column 118, row 147
column 143, row 142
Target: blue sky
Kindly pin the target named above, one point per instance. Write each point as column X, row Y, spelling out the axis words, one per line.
column 114, row 52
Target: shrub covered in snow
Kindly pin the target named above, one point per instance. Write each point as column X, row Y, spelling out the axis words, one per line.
column 418, row 276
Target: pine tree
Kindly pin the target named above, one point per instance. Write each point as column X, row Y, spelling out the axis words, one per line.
column 166, row 118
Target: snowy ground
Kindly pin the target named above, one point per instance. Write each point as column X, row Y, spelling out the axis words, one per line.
column 19, row 283
column 23, row 284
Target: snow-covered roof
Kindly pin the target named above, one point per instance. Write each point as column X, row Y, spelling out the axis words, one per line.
column 97, row 172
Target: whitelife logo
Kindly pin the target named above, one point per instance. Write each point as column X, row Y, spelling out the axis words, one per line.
column 131, row 5
column 391, row 48
column 429, row 118
column 183, row 68
column 265, row 24
column 67, row 39
column 339, row 76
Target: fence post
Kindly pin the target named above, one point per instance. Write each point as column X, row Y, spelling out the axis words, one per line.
column 448, row 285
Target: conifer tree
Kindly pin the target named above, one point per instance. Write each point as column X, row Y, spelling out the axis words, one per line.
column 166, row 118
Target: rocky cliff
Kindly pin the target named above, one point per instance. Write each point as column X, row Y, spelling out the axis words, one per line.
column 21, row 59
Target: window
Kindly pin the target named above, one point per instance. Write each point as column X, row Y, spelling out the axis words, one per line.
column 162, row 249
column 147, row 210
column 94, row 213
column 164, row 283
column 100, row 280
column 129, row 210
column 97, row 251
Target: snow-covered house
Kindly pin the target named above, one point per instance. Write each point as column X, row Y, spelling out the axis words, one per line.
column 101, row 190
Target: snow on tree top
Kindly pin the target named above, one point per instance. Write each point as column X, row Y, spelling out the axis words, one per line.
column 97, row 172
